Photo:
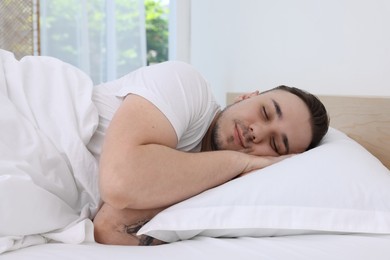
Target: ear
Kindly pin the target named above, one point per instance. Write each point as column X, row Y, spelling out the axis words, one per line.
column 246, row 96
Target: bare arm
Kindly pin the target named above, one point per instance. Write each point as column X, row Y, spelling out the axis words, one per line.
column 140, row 168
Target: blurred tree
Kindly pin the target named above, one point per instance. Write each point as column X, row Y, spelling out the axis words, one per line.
column 156, row 22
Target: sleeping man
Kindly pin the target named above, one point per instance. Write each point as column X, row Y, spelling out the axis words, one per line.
column 162, row 138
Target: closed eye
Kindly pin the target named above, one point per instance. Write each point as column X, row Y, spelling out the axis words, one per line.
column 274, row 146
column 265, row 114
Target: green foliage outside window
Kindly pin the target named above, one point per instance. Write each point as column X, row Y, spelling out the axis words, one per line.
column 156, row 21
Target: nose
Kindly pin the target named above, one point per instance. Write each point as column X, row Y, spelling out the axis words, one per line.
column 258, row 132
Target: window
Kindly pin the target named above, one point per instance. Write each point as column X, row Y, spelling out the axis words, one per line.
column 105, row 38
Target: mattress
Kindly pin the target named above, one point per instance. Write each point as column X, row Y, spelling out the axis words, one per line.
column 301, row 247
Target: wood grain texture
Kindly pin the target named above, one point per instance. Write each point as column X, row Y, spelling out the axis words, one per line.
column 365, row 119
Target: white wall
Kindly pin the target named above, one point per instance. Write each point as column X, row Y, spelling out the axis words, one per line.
column 179, row 30
column 323, row 46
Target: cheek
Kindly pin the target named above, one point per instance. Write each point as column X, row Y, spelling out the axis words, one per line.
column 261, row 150
column 225, row 125
column 303, row 139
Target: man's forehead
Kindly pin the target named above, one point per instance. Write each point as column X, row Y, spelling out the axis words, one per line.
column 280, row 96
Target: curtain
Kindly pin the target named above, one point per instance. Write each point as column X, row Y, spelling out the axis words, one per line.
column 104, row 38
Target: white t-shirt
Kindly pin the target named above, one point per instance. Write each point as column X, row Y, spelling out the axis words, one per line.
column 177, row 89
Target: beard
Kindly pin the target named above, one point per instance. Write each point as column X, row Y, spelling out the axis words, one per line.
column 216, row 139
column 216, row 143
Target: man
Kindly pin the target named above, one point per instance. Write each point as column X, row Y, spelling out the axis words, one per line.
column 167, row 140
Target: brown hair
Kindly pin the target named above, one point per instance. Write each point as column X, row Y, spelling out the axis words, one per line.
column 319, row 116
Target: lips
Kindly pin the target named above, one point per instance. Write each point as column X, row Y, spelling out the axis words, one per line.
column 238, row 136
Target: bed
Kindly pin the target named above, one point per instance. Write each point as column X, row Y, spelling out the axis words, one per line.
column 330, row 203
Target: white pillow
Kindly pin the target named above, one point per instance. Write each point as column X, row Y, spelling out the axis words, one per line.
column 335, row 187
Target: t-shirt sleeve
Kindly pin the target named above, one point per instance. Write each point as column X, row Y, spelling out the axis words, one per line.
column 177, row 89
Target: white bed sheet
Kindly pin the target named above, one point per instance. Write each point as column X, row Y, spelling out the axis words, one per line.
column 318, row 247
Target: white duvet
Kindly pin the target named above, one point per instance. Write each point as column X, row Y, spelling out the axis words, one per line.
column 48, row 178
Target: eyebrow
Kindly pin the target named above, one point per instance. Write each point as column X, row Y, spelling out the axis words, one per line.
column 280, row 115
column 277, row 108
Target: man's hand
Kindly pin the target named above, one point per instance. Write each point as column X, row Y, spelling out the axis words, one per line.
column 259, row 162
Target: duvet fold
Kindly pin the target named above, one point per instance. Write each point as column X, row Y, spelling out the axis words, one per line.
column 48, row 178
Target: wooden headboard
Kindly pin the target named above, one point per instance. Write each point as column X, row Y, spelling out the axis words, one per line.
column 365, row 119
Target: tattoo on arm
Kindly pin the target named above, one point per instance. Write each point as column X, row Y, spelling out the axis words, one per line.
column 134, row 228
column 144, row 240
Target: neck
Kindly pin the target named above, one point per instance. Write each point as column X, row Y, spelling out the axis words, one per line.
column 207, row 143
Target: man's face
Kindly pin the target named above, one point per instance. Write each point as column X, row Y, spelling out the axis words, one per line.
column 274, row 123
